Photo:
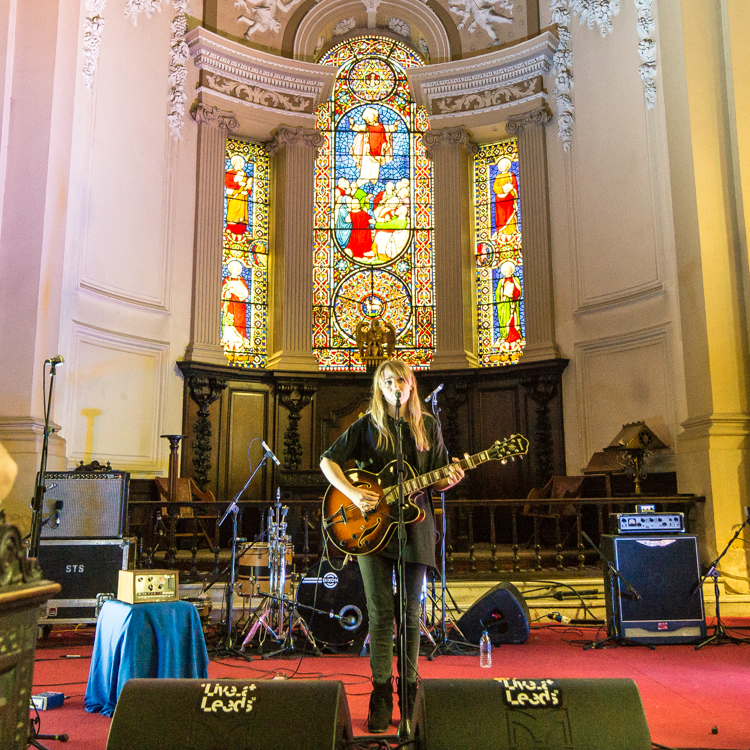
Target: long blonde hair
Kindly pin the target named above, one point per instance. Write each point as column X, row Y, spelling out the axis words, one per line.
column 411, row 410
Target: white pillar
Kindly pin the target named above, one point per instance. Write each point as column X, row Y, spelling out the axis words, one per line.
column 450, row 151
column 529, row 128
column 290, row 345
column 205, row 333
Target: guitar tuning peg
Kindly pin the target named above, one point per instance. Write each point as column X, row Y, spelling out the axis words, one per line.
column 504, row 461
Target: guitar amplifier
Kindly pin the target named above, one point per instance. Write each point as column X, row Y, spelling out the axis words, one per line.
column 85, row 505
column 139, row 586
column 647, row 523
column 87, row 570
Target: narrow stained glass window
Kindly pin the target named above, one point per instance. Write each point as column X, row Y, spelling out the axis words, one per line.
column 244, row 292
column 499, row 256
column 373, row 263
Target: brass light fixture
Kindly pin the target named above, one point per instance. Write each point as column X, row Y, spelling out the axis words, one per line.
column 633, row 444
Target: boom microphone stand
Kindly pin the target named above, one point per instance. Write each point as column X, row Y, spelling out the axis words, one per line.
column 720, row 635
column 404, row 727
column 38, row 501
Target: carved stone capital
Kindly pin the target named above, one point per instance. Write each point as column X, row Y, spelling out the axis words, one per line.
column 538, row 117
column 203, row 114
column 447, row 137
column 285, row 136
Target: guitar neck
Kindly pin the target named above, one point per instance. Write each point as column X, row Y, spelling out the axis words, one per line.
column 425, row 480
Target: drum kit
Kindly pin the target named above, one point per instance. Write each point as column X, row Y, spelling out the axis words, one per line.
column 326, row 604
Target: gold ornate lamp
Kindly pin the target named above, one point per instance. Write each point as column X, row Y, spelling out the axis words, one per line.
column 376, row 341
column 633, row 444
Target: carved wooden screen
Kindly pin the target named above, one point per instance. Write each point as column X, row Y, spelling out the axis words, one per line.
column 499, row 257
column 244, row 293
column 373, row 252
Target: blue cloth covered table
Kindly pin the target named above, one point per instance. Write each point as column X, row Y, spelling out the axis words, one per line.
column 143, row 640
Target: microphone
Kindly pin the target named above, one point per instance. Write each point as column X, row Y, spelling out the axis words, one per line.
column 270, row 453
column 54, row 361
column 397, row 394
column 434, row 393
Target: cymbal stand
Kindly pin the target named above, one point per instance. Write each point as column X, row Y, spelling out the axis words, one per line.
column 270, row 615
column 720, row 635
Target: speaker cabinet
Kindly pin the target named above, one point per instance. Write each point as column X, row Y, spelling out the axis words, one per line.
column 664, row 571
column 164, row 714
column 85, row 505
column 502, row 612
column 512, row 714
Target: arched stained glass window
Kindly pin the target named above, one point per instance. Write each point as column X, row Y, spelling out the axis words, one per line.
column 244, row 291
column 499, row 257
column 373, row 263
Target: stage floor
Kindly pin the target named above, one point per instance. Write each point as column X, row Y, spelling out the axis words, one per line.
column 692, row 699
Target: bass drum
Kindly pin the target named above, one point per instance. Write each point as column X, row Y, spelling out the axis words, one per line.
column 336, row 590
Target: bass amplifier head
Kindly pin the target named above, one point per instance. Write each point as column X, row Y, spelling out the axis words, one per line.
column 85, row 505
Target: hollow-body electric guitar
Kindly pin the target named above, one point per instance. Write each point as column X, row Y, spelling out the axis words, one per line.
column 356, row 533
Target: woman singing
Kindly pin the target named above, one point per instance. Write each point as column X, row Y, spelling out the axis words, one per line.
column 370, row 441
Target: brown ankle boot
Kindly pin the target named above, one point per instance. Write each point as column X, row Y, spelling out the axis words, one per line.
column 381, row 708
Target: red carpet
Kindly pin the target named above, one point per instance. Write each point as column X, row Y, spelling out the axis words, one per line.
column 685, row 693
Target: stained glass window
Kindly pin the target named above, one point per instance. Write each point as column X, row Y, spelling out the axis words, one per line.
column 499, row 257
column 244, row 291
column 373, row 263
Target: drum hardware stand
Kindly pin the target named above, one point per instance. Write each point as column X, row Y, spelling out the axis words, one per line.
column 720, row 635
column 443, row 644
column 228, row 647
column 295, row 620
column 614, row 575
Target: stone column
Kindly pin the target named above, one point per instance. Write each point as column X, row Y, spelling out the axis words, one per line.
column 529, row 128
column 290, row 346
column 450, row 151
column 205, row 329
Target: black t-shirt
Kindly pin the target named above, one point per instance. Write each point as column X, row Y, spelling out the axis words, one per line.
column 359, row 443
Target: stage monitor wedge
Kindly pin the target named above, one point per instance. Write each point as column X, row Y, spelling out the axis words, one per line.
column 664, row 570
column 167, row 714
column 502, row 612
column 529, row 714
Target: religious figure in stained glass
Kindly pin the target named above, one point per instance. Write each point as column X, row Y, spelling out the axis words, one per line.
column 373, row 255
column 499, row 256
column 244, row 295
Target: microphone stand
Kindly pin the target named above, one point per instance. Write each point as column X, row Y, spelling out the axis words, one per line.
column 234, row 510
column 443, row 643
column 614, row 631
column 40, row 489
column 404, row 727
column 720, row 635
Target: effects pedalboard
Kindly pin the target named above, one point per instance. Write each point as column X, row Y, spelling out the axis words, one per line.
column 647, row 523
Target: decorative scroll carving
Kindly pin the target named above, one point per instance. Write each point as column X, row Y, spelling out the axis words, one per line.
column 448, row 137
column 261, row 15
column 562, row 69
column 536, row 118
column 541, row 390
column 92, row 39
column 294, row 404
column 488, row 98
column 179, row 54
column 344, row 26
column 285, row 136
column 398, row 26
column 213, row 116
column 483, row 13
column 204, row 391
column 259, row 95
column 647, row 50
column 15, row 567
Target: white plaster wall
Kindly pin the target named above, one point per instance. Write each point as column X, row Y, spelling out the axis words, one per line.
column 128, row 258
column 615, row 279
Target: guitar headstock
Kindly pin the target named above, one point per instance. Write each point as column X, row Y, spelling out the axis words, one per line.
column 515, row 445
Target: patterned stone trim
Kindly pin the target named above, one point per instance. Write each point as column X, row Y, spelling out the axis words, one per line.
column 259, row 95
column 488, row 99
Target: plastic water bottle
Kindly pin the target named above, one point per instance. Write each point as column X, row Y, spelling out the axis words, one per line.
column 485, row 650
